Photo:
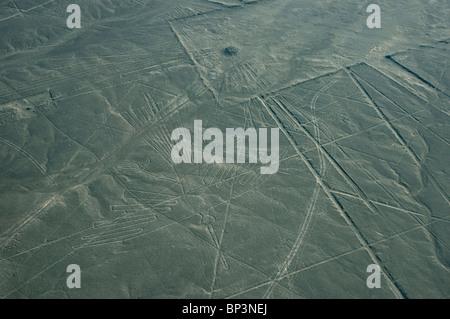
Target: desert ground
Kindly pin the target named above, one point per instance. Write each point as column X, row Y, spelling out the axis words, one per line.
column 86, row 175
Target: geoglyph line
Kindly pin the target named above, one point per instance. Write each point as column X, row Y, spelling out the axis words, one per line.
column 393, row 285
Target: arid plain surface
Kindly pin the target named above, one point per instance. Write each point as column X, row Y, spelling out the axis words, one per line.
column 86, row 175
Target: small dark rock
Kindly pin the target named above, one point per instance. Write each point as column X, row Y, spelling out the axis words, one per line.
column 230, row 51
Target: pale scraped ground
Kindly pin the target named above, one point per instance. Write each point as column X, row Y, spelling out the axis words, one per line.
column 86, row 176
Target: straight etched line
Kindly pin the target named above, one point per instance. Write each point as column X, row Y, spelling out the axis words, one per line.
column 398, row 136
column 17, row 7
column 389, row 57
column 23, row 11
column 333, row 162
column 393, row 285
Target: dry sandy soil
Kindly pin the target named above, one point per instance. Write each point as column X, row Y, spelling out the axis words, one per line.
column 86, row 175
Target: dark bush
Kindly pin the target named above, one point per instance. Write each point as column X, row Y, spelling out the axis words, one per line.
column 230, row 51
